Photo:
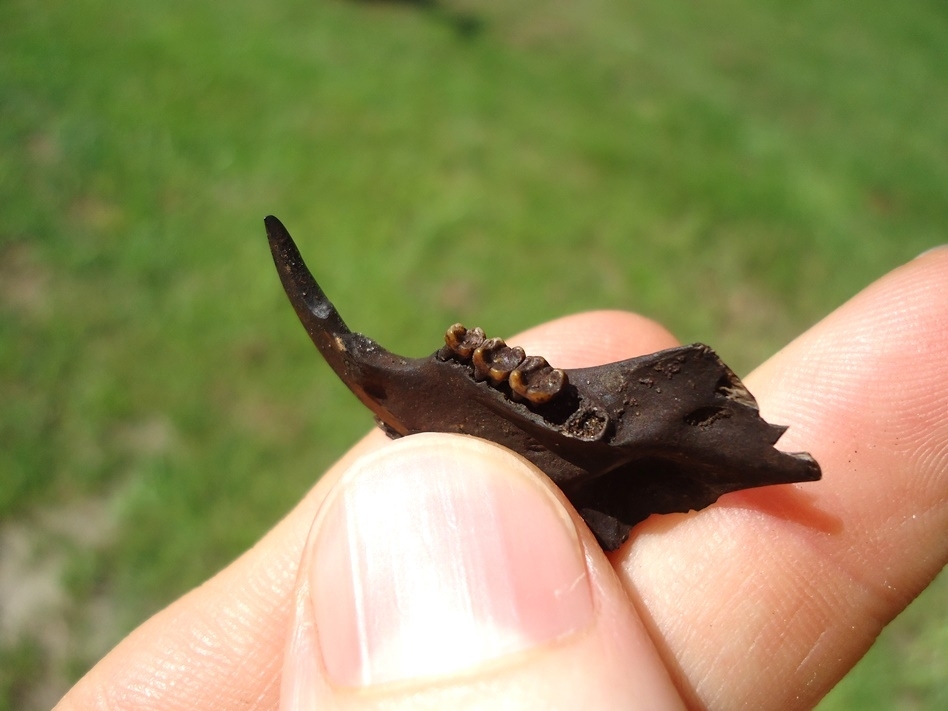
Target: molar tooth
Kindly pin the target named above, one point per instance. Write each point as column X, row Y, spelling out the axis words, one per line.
column 534, row 380
column 494, row 360
column 463, row 341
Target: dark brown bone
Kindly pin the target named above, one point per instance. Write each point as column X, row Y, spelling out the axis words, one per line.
column 662, row 433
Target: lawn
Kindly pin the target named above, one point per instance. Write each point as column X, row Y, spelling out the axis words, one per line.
column 736, row 170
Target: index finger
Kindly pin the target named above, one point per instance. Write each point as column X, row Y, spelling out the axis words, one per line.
column 766, row 599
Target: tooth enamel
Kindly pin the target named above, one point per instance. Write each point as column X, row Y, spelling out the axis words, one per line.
column 462, row 341
column 494, row 360
column 534, row 380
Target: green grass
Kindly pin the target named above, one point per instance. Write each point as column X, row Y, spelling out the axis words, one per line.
column 734, row 169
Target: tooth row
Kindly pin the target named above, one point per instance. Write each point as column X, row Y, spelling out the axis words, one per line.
column 530, row 377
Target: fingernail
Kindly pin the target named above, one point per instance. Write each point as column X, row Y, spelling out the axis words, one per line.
column 436, row 555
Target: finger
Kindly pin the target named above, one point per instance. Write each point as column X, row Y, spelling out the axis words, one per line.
column 446, row 572
column 790, row 585
column 221, row 646
column 595, row 337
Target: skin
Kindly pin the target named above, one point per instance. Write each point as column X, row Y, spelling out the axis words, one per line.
column 763, row 600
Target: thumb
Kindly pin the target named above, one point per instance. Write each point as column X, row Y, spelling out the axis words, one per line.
column 445, row 572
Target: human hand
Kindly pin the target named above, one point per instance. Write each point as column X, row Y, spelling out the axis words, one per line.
column 444, row 572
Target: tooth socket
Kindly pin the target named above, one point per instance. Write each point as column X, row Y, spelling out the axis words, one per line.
column 535, row 381
column 494, row 360
column 462, row 342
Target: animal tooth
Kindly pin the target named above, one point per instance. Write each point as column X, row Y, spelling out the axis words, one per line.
column 493, row 360
column 463, row 341
column 536, row 381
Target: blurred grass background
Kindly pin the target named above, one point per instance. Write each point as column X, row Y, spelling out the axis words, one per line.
column 734, row 169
